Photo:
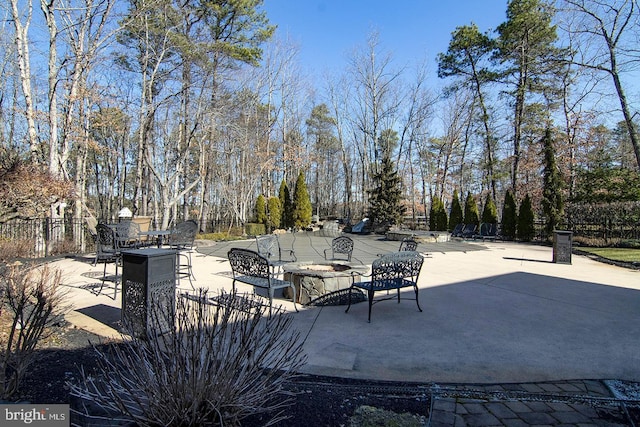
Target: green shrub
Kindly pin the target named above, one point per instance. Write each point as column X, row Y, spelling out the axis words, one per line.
column 274, row 212
column 455, row 217
column 261, row 210
column 509, row 216
column 437, row 216
column 490, row 211
column 471, row 215
column 253, row 229
column 218, row 237
column 526, row 229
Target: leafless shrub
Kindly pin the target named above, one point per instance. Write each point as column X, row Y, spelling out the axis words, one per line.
column 30, row 301
column 11, row 249
column 221, row 363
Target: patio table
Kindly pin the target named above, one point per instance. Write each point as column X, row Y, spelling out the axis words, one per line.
column 158, row 234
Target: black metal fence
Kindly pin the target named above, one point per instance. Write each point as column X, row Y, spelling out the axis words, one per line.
column 36, row 238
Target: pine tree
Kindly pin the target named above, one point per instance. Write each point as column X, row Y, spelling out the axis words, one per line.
column 302, row 209
column 526, row 229
column 509, row 216
column 455, row 216
column 286, row 209
column 490, row 211
column 261, row 210
column 385, row 200
column 552, row 203
column 471, row 215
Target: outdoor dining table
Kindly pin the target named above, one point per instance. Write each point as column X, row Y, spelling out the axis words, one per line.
column 159, row 235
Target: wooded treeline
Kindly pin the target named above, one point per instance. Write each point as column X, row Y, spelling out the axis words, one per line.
column 191, row 110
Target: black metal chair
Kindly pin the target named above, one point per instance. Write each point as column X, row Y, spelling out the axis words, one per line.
column 182, row 239
column 340, row 245
column 128, row 234
column 108, row 250
column 408, row 244
column 395, row 270
column 269, row 247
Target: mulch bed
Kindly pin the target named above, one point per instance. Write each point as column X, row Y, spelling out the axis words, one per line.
column 319, row 401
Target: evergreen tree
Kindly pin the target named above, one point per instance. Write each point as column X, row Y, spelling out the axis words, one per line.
column 286, row 209
column 301, row 204
column 437, row 215
column 552, row 203
column 455, row 216
column 530, row 63
column 490, row 211
column 385, row 200
column 471, row 215
column 509, row 216
column 526, row 229
column 274, row 212
column 261, row 210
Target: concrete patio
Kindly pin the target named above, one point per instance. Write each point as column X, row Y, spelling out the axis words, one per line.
column 494, row 312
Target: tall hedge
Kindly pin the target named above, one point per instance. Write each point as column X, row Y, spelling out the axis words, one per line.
column 274, row 212
column 490, row 211
column 526, row 229
column 286, row 208
column 437, row 215
column 509, row 216
column 456, row 216
column 471, row 215
column 302, row 209
column 261, row 210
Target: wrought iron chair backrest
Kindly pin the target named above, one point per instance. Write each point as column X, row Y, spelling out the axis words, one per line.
column 183, row 234
column 106, row 240
column 342, row 245
column 395, row 266
column 269, row 246
column 409, row 244
column 127, row 233
column 248, row 263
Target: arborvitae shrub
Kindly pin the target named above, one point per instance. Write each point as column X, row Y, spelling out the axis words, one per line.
column 471, row 215
column 509, row 216
column 455, row 217
column 490, row 211
column 526, row 230
column 437, row 216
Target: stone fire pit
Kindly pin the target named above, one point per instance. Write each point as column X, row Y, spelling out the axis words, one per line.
column 316, row 279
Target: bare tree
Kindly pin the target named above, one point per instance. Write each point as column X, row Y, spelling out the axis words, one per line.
column 606, row 38
column 21, row 22
column 375, row 101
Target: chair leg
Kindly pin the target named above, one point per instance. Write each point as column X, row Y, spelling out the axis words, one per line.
column 349, row 306
column 104, row 275
column 370, row 304
column 116, row 281
column 187, row 267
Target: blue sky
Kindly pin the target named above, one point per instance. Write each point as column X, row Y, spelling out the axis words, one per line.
column 412, row 30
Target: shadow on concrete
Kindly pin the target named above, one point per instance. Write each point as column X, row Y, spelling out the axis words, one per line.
column 505, row 328
column 105, row 314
